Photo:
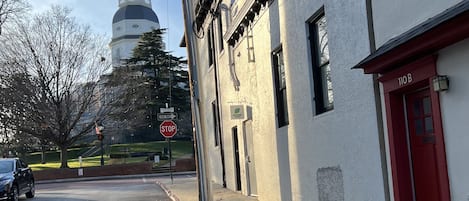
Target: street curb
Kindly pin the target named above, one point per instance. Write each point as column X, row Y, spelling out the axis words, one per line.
column 111, row 177
column 167, row 191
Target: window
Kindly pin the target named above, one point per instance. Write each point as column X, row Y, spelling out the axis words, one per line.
column 323, row 93
column 6, row 166
column 280, row 87
column 23, row 164
column 211, row 45
column 216, row 123
column 18, row 165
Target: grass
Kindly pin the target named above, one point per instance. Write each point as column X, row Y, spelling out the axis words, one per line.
column 179, row 148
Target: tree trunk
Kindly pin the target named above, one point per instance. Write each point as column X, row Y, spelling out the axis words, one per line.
column 63, row 157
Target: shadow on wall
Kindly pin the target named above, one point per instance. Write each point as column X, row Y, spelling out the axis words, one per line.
column 282, row 138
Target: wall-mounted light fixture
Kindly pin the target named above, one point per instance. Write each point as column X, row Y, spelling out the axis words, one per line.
column 440, row 83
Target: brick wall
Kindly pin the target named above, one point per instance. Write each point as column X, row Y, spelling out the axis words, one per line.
column 185, row 165
column 107, row 170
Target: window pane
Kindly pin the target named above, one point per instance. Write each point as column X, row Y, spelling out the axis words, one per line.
column 323, row 40
column 327, row 86
column 419, row 127
column 215, row 123
column 323, row 92
column 428, row 124
column 281, row 92
column 285, row 107
column 6, row 166
column 416, row 108
column 281, row 69
column 427, row 106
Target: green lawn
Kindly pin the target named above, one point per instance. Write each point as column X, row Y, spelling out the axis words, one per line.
column 179, row 148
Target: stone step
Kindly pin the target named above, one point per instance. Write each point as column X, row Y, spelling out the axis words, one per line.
column 162, row 169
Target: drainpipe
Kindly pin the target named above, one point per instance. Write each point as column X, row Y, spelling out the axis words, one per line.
column 379, row 107
column 231, row 60
column 201, row 152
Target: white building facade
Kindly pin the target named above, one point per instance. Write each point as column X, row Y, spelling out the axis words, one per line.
column 131, row 20
column 287, row 113
column 283, row 115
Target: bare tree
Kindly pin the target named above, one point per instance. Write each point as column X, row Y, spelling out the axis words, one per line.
column 9, row 8
column 49, row 78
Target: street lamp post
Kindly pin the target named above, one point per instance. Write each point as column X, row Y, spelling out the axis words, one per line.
column 110, row 146
column 102, row 153
column 99, row 133
column 43, row 142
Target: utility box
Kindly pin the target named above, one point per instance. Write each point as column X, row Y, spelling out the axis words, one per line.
column 157, row 158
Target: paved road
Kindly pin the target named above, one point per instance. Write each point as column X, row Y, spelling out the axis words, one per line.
column 138, row 189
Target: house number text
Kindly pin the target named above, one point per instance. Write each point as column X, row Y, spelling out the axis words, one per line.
column 405, row 79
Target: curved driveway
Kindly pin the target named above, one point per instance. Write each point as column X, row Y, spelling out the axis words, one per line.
column 135, row 189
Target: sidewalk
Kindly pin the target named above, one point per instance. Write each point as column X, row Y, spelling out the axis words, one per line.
column 185, row 189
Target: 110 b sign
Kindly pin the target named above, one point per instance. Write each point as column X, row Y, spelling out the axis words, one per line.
column 405, row 79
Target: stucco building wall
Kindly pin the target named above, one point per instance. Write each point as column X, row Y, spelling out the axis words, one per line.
column 290, row 160
column 253, row 69
column 345, row 138
column 452, row 61
column 337, row 153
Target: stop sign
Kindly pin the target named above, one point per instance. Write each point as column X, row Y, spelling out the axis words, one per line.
column 168, row 128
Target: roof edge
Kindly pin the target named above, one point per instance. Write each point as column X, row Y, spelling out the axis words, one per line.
column 426, row 38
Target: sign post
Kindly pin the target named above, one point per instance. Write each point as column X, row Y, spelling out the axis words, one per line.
column 168, row 129
column 167, row 116
column 99, row 133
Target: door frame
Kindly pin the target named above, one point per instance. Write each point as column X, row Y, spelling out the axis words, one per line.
column 396, row 84
column 250, row 164
column 237, row 159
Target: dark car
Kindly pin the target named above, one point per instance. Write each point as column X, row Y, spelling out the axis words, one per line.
column 16, row 178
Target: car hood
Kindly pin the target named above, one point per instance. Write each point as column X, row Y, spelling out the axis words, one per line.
column 6, row 176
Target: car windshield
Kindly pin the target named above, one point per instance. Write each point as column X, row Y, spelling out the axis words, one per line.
column 6, row 166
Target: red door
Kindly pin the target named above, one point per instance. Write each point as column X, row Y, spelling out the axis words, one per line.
column 422, row 146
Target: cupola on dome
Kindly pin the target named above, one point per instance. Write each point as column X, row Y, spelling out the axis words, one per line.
column 135, row 12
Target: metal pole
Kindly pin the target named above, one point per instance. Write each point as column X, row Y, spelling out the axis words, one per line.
column 43, row 152
column 170, row 160
column 102, row 153
column 202, row 170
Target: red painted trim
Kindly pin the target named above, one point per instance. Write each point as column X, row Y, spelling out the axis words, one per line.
column 422, row 70
column 418, row 74
column 445, row 34
column 398, row 149
column 440, row 147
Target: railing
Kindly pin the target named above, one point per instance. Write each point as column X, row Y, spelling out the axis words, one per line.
column 242, row 14
column 239, row 9
column 201, row 8
column 136, row 2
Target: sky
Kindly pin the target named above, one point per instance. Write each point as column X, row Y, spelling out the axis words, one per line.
column 98, row 14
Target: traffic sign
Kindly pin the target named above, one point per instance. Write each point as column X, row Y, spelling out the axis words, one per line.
column 168, row 129
column 164, row 110
column 167, row 116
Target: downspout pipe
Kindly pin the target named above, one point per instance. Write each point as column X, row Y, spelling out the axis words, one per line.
column 201, row 152
column 378, row 105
